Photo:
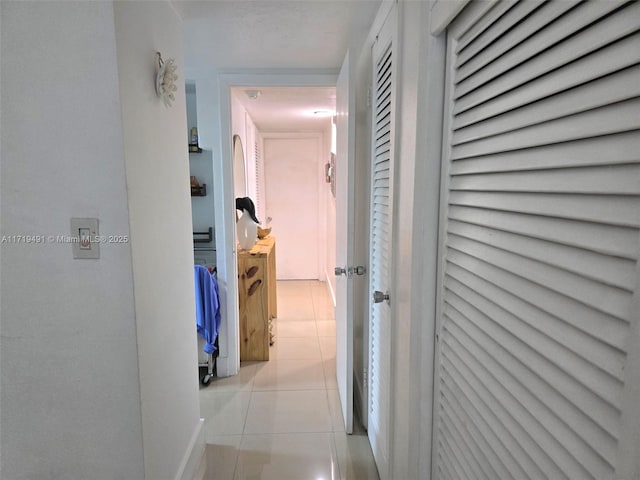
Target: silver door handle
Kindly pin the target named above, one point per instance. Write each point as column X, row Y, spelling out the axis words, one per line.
column 340, row 271
column 379, row 297
column 359, row 270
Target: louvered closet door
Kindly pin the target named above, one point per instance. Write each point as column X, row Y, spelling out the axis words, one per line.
column 540, row 239
column 383, row 102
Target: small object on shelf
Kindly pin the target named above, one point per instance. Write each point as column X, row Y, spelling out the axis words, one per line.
column 193, row 141
column 263, row 232
column 199, row 191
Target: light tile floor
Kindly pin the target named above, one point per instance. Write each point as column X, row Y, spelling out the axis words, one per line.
column 281, row 419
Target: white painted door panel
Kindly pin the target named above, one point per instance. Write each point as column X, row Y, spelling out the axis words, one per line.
column 345, row 227
column 537, row 343
column 291, row 197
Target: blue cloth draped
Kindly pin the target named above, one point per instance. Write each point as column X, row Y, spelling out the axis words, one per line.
column 207, row 307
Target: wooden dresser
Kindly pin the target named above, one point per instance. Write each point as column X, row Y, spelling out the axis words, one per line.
column 257, row 298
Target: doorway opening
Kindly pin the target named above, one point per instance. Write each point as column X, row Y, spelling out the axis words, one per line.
column 287, row 133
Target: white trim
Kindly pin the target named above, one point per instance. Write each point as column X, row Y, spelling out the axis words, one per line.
column 194, row 454
column 228, row 363
column 443, row 12
column 430, row 115
column 442, row 235
column 381, row 17
column 629, row 444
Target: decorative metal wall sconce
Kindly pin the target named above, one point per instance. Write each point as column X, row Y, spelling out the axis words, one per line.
column 166, row 79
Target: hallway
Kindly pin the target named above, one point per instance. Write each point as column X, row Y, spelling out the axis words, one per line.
column 281, row 419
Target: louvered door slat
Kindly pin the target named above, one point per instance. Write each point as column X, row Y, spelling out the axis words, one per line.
column 486, row 423
column 467, row 434
column 585, row 69
column 465, row 462
column 609, row 240
column 587, row 348
column 619, row 210
column 612, row 89
column 540, row 240
column 601, row 121
column 573, row 313
column 613, row 271
column 492, row 13
column 613, row 149
column 501, row 410
column 478, row 368
column 598, row 391
column 536, row 55
column 502, row 37
column 614, row 180
column 609, row 300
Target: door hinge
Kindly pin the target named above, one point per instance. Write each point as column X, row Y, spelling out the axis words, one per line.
column 365, row 376
column 369, row 94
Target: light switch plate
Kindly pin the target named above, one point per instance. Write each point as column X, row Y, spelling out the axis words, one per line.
column 86, row 238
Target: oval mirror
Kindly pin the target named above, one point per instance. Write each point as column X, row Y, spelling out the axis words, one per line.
column 239, row 171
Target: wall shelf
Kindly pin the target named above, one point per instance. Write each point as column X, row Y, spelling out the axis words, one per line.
column 203, row 237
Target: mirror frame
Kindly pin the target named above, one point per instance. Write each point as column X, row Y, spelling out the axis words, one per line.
column 239, row 168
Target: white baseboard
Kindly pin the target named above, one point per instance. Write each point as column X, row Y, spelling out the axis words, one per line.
column 194, row 454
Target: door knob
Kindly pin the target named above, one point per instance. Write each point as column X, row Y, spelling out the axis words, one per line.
column 339, row 271
column 379, row 297
column 359, row 270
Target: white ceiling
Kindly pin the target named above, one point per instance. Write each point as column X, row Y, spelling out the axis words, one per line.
column 276, row 34
column 290, row 108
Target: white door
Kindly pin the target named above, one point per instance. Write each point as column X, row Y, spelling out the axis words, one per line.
column 381, row 222
column 537, row 343
column 345, row 227
column 291, row 199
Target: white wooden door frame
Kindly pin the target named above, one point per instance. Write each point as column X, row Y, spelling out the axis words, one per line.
column 229, row 361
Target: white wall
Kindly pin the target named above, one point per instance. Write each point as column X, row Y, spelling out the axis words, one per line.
column 211, row 134
column 69, row 385
column 157, row 168
column 329, row 205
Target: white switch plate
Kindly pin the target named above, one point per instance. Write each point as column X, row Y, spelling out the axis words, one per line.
column 85, row 234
